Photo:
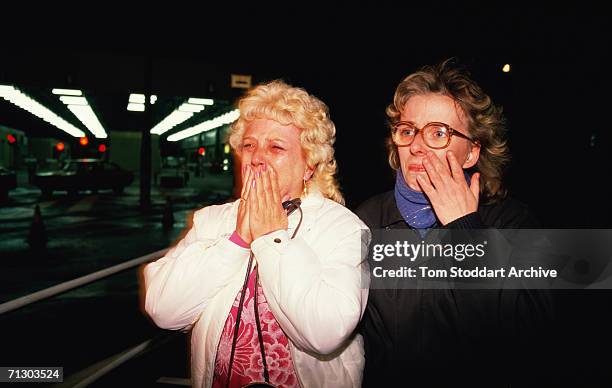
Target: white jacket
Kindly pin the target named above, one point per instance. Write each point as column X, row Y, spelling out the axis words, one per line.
column 316, row 285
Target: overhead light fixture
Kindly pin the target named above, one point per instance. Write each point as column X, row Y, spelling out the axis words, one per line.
column 81, row 109
column 186, row 107
column 89, row 119
column 506, row 68
column 170, row 121
column 226, row 118
column 133, row 107
column 67, row 92
column 200, row 101
column 137, row 98
column 23, row 101
column 69, row 100
column 184, row 112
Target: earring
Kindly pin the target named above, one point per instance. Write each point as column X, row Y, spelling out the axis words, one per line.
column 305, row 190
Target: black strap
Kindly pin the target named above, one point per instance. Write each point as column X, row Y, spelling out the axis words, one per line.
column 238, row 316
column 241, row 307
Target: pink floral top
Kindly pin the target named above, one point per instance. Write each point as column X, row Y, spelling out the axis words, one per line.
column 248, row 366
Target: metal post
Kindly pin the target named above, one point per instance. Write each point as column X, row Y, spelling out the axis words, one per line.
column 145, row 144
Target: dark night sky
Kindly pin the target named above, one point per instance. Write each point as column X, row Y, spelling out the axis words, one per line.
column 555, row 98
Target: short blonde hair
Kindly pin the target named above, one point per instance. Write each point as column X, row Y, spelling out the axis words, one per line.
column 485, row 120
column 289, row 105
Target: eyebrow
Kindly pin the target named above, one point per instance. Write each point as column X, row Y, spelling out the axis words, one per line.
column 277, row 139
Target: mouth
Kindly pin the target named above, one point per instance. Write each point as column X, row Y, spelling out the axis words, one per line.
column 416, row 168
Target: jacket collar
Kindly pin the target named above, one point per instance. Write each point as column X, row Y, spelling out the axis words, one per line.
column 389, row 213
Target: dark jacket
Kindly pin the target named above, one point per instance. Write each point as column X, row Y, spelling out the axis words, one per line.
column 448, row 337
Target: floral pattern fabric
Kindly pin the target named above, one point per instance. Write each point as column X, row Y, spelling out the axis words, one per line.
column 248, row 366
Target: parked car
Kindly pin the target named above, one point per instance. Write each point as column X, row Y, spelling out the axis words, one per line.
column 8, row 181
column 84, row 174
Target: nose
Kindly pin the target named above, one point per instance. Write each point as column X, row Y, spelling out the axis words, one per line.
column 258, row 157
column 418, row 146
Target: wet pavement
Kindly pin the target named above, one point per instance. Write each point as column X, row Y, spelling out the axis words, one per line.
column 93, row 324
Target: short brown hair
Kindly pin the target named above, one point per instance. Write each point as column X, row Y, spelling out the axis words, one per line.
column 485, row 120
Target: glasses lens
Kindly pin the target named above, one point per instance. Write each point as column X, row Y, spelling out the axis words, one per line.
column 404, row 134
column 436, row 135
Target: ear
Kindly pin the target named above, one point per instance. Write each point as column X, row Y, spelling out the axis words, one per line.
column 472, row 157
column 308, row 173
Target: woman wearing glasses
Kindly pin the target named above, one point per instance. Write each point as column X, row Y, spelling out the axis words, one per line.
column 447, row 148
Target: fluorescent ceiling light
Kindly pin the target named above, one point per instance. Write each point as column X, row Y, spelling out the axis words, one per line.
column 135, row 107
column 68, row 100
column 23, row 101
column 186, row 107
column 226, row 118
column 81, row 109
column 67, row 92
column 137, row 98
column 170, row 121
column 89, row 119
column 200, row 101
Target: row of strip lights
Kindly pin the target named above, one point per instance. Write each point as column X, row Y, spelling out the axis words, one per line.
column 184, row 112
column 23, row 101
column 79, row 105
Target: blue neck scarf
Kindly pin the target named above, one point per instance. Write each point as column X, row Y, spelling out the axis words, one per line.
column 413, row 206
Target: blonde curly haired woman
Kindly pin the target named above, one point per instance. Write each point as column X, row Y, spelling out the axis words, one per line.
column 274, row 284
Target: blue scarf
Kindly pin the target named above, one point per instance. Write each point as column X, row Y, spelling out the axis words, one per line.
column 413, row 206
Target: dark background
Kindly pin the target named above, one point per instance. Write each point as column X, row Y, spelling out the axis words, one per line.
column 556, row 98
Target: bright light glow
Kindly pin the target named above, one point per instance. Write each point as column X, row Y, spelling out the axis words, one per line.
column 68, row 100
column 202, row 151
column 137, row 98
column 225, row 161
column 102, row 148
column 16, row 97
column 225, row 168
column 186, row 107
column 200, row 101
column 89, row 119
column 170, row 121
column 153, row 99
column 226, row 149
column 84, row 141
column 83, row 112
column 135, row 107
column 67, row 92
column 60, row 146
column 506, row 68
column 226, row 118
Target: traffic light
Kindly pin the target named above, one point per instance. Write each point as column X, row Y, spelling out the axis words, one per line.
column 60, row 146
column 84, row 141
column 11, row 138
column 102, row 148
column 202, row 151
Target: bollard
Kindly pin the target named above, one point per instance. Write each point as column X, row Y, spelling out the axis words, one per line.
column 37, row 237
column 168, row 217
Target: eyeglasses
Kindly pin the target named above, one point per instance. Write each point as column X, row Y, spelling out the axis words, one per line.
column 436, row 135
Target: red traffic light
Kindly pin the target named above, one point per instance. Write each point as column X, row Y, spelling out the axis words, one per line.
column 202, row 151
column 60, row 146
column 11, row 139
column 102, row 148
column 84, row 141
